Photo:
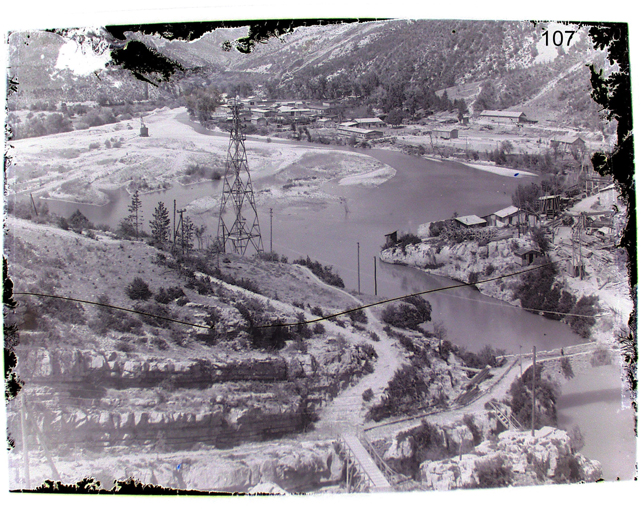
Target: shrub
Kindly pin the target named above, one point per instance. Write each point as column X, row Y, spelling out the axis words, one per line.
column 358, row 316
column 585, row 306
column 473, row 277
column 114, row 319
column 64, row 310
column 94, row 145
column 368, row 394
column 546, row 396
column 138, row 289
column 409, row 313
column 317, row 311
column 374, row 336
column 566, row 367
column 404, row 392
column 493, row 473
column 166, row 296
column 325, row 273
column 271, row 338
column 158, row 310
column 319, row 328
column 489, row 270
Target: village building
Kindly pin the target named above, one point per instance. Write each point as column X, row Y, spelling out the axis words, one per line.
column 324, row 122
column 369, row 122
column 360, row 133
column 471, row 221
column 501, row 116
column 445, row 133
column 529, row 256
column 569, row 143
column 512, row 216
column 549, row 205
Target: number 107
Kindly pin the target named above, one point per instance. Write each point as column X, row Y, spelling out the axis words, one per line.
column 557, row 37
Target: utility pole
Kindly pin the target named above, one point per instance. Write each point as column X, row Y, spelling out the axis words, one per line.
column 533, row 386
column 271, row 216
column 33, row 203
column 358, row 264
column 375, row 281
column 174, row 222
column 25, row 445
column 520, row 361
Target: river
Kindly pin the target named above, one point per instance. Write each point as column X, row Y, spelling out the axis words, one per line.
column 422, row 190
column 592, row 400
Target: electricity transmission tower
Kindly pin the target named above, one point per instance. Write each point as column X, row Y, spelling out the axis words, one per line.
column 236, row 226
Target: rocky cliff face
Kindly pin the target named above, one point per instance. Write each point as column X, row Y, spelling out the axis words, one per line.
column 516, row 458
column 290, row 465
column 93, row 399
column 467, row 262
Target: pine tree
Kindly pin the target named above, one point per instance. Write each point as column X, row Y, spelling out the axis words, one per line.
column 185, row 236
column 159, row 224
column 134, row 209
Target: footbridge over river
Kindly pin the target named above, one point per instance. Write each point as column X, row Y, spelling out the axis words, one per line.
column 365, row 470
column 473, row 401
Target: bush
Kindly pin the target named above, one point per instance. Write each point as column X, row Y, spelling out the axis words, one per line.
column 582, row 324
column 270, row 338
column 114, row 319
column 546, row 397
column 368, row 394
column 166, row 296
column 358, row 316
column 138, row 290
column 405, row 392
column 566, row 367
column 324, row 273
column 493, row 473
column 94, row 145
column 409, row 313
column 319, row 328
column 317, row 311
column 158, row 310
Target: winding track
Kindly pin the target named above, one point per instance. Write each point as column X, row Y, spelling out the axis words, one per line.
column 345, row 413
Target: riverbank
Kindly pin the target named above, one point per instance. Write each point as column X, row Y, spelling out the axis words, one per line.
column 497, row 253
column 78, row 166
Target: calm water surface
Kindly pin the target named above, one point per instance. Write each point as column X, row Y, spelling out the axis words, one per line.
column 422, row 190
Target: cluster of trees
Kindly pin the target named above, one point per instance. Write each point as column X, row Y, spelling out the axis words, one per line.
column 539, row 290
column 325, row 273
column 202, row 103
column 160, row 224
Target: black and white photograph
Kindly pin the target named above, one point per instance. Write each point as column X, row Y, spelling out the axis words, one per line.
column 319, row 256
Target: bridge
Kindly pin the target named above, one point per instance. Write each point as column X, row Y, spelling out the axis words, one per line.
column 364, row 468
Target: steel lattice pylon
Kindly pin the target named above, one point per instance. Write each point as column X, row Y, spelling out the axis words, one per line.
column 238, row 230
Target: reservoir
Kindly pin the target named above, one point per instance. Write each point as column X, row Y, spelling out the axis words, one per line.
column 422, row 190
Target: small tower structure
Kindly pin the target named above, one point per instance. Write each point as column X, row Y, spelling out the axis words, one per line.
column 238, row 225
column 144, row 131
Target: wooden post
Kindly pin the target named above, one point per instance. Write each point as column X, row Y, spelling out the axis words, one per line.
column 33, row 203
column 375, row 281
column 174, row 223
column 533, row 386
column 25, row 445
column 271, row 216
column 358, row 264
